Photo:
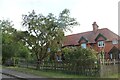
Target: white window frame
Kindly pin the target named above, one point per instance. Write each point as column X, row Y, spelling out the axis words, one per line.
column 83, row 45
column 111, row 56
column 115, row 42
column 101, row 43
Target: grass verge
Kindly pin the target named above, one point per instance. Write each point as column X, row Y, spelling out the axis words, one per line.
column 114, row 76
column 47, row 74
column 53, row 74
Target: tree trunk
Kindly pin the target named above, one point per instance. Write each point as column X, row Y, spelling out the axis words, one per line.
column 38, row 64
column 14, row 61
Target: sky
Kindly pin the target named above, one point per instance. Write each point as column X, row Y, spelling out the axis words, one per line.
column 103, row 12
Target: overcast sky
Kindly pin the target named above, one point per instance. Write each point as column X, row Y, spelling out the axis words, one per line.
column 104, row 12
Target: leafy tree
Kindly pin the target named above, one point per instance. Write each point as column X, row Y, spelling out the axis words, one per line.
column 11, row 48
column 44, row 31
column 7, row 36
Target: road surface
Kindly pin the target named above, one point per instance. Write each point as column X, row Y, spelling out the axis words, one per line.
column 6, row 76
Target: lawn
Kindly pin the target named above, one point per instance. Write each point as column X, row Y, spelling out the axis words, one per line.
column 114, row 76
column 48, row 74
column 53, row 74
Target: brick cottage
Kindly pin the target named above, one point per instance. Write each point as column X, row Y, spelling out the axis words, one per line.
column 98, row 39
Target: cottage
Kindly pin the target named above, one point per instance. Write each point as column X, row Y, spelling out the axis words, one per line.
column 101, row 40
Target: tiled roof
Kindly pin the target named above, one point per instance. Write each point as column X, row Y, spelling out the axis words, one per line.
column 90, row 36
column 115, row 46
column 108, row 48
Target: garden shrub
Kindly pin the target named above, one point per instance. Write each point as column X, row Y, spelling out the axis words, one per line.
column 81, row 59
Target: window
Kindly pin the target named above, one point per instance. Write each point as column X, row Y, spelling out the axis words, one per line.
column 83, row 45
column 115, row 42
column 48, row 49
column 101, row 44
column 58, row 58
column 110, row 55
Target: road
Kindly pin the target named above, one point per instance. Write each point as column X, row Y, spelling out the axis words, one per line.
column 6, row 77
column 20, row 75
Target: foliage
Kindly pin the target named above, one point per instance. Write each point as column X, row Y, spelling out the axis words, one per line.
column 83, row 60
column 83, row 57
column 44, row 32
column 11, row 48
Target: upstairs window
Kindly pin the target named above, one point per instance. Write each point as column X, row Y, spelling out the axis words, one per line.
column 115, row 42
column 101, row 44
column 83, row 45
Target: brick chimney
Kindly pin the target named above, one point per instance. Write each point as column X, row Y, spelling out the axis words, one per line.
column 95, row 27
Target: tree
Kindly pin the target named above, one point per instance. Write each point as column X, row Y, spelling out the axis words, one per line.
column 11, row 47
column 7, row 36
column 44, row 31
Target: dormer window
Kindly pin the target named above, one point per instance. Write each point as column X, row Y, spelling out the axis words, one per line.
column 83, row 45
column 101, row 44
column 115, row 42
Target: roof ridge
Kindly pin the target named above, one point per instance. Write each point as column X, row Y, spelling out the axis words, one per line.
column 85, row 32
column 113, row 32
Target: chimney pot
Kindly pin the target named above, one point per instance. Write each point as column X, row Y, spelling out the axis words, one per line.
column 95, row 27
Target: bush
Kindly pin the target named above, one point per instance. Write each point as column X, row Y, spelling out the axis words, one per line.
column 80, row 56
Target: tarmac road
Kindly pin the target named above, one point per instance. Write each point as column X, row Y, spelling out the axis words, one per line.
column 6, row 77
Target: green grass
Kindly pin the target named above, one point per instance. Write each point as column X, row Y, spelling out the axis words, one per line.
column 48, row 74
column 0, row 66
column 114, row 76
column 53, row 74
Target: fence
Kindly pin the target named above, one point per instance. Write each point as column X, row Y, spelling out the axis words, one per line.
column 107, row 70
column 109, row 67
column 71, row 67
column 68, row 67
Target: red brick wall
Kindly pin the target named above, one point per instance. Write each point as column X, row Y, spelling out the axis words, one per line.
column 108, row 46
column 106, row 49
